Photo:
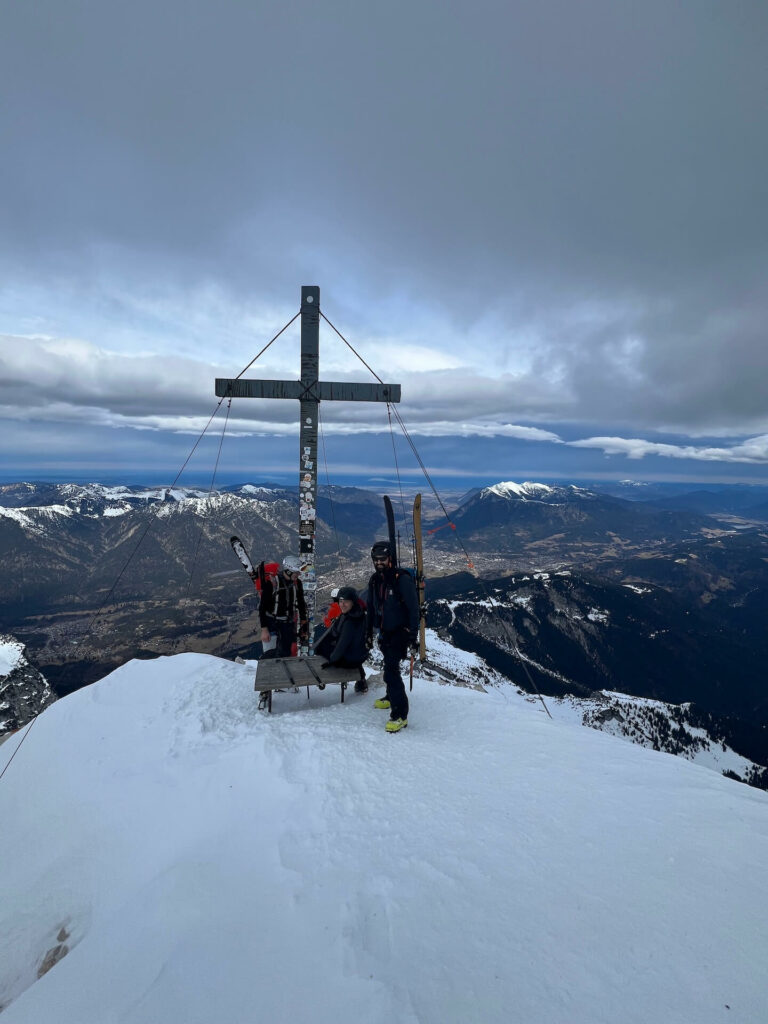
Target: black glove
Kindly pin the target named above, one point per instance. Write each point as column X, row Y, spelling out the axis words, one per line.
column 326, row 664
column 413, row 641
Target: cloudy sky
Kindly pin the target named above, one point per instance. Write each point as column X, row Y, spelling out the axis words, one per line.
column 547, row 221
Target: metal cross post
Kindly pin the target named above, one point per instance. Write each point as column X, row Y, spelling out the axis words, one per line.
column 309, row 391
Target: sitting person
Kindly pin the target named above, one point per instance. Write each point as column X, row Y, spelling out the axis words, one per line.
column 343, row 645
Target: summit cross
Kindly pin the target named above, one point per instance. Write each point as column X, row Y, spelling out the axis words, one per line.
column 309, row 391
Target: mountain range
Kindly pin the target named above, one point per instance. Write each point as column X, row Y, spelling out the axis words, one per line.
column 570, row 590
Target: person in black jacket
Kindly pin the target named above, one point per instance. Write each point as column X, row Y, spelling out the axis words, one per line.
column 282, row 604
column 344, row 642
column 393, row 611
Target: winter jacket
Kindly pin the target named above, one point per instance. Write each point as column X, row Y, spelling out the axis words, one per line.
column 280, row 602
column 346, row 639
column 393, row 607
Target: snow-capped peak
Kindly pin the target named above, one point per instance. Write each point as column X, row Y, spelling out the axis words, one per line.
column 510, row 489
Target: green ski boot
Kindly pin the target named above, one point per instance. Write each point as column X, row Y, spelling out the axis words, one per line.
column 396, row 724
column 382, row 704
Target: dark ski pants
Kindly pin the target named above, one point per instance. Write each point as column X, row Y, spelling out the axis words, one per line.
column 286, row 638
column 325, row 650
column 325, row 647
column 394, row 650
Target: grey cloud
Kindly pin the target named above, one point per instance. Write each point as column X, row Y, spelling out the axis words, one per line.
column 556, row 142
column 497, row 163
column 79, row 381
column 753, row 450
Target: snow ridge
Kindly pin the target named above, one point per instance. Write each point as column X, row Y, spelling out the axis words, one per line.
column 531, row 491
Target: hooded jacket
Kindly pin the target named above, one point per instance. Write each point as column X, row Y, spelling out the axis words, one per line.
column 348, row 637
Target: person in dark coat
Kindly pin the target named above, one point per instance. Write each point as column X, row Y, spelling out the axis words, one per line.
column 344, row 643
column 283, row 610
column 393, row 612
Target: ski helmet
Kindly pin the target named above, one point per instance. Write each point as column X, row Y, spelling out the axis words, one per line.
column 347, row 594
column 291, row 564
column 381, row 549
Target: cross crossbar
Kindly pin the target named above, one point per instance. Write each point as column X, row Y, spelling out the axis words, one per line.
column 321, row 391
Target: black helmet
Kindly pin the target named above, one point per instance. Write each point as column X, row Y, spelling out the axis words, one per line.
column 381, row 549
column 347, row 594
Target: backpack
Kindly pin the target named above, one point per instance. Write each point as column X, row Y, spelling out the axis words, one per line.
column 266, row 571
column 403, row 570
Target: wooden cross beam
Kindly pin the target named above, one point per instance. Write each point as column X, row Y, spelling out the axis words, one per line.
column 309, row 391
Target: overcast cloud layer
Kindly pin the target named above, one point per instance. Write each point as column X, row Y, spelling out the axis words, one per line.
column 548, row 222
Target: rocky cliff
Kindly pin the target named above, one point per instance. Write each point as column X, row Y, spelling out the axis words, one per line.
column 24, row 692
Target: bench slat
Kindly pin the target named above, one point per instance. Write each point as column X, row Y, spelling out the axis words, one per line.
column 281, row 673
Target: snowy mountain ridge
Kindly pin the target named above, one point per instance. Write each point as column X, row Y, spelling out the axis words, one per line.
column 531, row 491
column 96, row 502
column 487, row 864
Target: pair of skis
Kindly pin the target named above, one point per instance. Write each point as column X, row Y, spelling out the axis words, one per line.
column 239, row 548
column 419, row 560
column 244, row 558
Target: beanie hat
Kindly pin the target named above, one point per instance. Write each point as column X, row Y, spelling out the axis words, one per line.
column 381, row 549
column 347, row 594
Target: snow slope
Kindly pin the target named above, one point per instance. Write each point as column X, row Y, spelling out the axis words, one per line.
column 11, row 655
column 204, row 863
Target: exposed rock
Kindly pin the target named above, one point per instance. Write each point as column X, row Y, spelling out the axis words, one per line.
column 24, row 692
column 51, row 958
column 607, row 715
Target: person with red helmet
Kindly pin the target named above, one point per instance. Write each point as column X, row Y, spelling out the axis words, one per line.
column 283, row 610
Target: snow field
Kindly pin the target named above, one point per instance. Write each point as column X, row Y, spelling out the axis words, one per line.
column 216, row 864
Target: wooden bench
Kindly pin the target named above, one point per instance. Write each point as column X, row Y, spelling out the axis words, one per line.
column 286, row 673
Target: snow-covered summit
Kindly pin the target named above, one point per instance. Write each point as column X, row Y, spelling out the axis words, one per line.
column 510, row 489
column 531, row 491
column 258, row 491
column 188, row 855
